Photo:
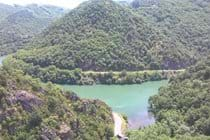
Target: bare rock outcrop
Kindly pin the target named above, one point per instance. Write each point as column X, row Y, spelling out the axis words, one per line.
column 26, row 99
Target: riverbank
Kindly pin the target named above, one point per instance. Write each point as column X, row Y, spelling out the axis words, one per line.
column 127, row 77
column 134, row 72
column 79, row 77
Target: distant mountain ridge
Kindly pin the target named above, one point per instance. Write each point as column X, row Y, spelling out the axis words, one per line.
column 18, row 24
column 144, row 3
column 6, row 10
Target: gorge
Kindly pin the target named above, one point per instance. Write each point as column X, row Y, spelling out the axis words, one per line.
column 129, row 100
column 106, row 69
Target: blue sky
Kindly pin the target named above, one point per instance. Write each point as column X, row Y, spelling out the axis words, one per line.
column 62, row 3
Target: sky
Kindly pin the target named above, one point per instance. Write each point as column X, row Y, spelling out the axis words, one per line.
column 61, row 3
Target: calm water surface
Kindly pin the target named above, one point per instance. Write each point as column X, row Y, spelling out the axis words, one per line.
column 131, row 100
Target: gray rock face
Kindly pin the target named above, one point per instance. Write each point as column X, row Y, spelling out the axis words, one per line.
column 27, row 100
column 65, row 132
column 48, row 134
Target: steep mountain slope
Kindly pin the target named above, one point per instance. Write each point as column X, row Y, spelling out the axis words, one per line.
column 6, row 10
column 184, row 25
column 19, row 24
column 102, row 35
column 46, row 11
column 32, row 111
column 98, row 35
column 182, row 109
column 188, row 95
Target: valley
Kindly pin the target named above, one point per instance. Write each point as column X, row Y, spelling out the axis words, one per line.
column 130, row 100
column 138, row 69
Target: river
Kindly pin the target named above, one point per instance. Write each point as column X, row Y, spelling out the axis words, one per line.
column 131, row 100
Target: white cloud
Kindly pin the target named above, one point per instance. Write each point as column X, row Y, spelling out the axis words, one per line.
column 62, row 3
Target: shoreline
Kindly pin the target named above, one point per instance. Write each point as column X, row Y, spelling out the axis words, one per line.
column 79, row 77
column 132, row 72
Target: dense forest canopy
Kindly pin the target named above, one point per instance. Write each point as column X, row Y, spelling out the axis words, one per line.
column 18, row 24
column 188, row 96
column 98, row 35
column 102, row 35
column 185, row 26
column 182, row 109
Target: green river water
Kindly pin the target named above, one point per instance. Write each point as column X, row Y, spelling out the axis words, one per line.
column 131, row 100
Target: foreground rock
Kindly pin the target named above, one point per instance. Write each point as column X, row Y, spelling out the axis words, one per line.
column 29, row 111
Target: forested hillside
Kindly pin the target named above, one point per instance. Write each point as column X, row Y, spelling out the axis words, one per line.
column 98, row 35
column 32, row 111
column 104, row 42
column 102, row 35
column 19, row 24
column 182, row 108
column 6, row 10
column 184, row 25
